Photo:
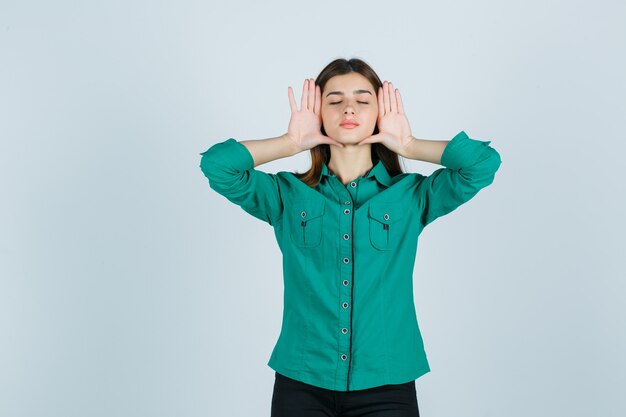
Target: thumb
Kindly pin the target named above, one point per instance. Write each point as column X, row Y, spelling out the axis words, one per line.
column 330, row 141
column 370, row 139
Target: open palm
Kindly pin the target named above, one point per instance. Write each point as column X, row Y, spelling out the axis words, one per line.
column 305, row 124
column 393, row 125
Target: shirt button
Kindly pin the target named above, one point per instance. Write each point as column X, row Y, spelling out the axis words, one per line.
column 343, row 357
column 347, row 202
column 345, row 282
column 303, row 214
column 346, row 260
column 344, row 330
column 386, row 216
column 346, row 236
column 353, row 184
column 346, row 211
column 345, row 305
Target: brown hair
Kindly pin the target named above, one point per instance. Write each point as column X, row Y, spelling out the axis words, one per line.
column 321, row 153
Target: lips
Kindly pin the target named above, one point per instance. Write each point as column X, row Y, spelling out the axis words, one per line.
column 349, row 123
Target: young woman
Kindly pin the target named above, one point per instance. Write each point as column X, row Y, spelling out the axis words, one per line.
column 350, row 343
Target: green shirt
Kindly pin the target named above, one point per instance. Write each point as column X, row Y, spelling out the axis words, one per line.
column 349, row 319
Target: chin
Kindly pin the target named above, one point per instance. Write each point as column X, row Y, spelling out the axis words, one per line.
column 349, row 137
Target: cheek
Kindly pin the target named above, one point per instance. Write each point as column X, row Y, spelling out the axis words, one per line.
column 373, row 116
column 326, row 114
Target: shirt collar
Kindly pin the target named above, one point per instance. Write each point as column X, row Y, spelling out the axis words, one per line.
column 378, row 171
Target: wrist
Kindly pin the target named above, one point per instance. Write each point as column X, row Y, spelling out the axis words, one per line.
column 291, row 148
column 408, row 150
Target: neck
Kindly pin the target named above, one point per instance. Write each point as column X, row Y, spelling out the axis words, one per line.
column 350, row 162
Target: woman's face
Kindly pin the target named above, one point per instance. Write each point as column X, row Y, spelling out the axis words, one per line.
column 349, row 97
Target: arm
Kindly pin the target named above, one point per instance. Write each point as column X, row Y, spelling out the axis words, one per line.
column 266, row 150
column 425, row 150
column 229, row 165
column 229, row 168
column 470, row 165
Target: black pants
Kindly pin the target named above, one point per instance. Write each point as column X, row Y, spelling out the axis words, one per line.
column 293, row 398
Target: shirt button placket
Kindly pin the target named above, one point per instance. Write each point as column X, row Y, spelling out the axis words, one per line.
column 347, row 272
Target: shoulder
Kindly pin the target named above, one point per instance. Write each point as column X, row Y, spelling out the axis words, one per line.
column 290, row 176
column 407, row 179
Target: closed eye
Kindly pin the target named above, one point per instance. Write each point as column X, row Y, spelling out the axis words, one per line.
column 362, row 102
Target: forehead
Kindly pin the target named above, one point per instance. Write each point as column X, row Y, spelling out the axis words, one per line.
column 347, row 83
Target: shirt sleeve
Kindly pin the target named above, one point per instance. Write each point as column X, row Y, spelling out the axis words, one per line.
column 229, row 168
column 470, row 165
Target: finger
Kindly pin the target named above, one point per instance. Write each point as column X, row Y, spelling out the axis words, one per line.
column 303, row 98
column 392, row 99
column 318, row 99
column 307, row 97
column 390, row 96
column 386, row 96
column 400, row 104
column 370, row 139
column 311, row 97
column 330, row 141
column 292, row 100
column 381, row 103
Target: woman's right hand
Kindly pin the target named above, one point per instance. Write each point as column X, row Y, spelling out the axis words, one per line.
column 305, row 124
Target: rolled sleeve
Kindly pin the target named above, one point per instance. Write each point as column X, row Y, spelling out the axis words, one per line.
column 470, row 165
column 229, row 168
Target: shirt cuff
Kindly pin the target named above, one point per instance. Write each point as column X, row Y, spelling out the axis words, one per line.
column 233, row 153
column 462, row 151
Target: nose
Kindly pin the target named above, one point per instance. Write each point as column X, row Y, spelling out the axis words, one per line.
column 348, row 110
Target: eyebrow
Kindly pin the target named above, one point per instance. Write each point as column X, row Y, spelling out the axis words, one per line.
column 340, row 93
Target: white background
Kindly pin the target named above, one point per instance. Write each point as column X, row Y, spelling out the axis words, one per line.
column 129, row 288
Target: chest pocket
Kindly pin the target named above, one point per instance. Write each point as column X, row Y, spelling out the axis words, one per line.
column 385, row 225
column 306, row 222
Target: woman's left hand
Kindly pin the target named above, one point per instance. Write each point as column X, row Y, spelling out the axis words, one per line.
column 393, row 126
